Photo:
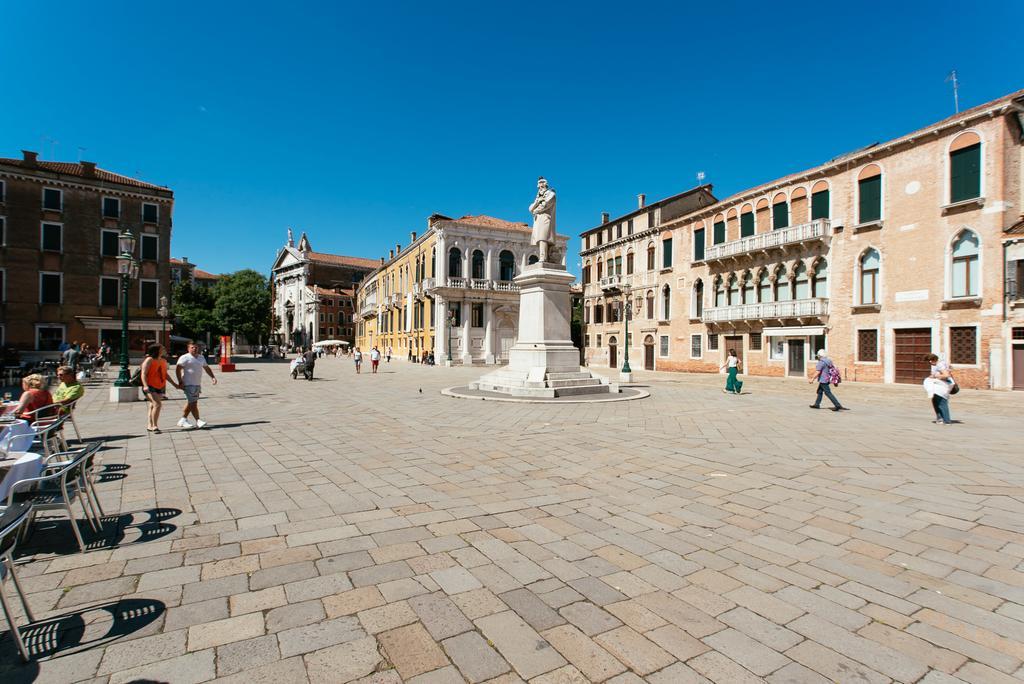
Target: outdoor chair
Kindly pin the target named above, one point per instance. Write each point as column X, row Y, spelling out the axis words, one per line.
column 50, row 434
column 12, row 520
column 58, row 487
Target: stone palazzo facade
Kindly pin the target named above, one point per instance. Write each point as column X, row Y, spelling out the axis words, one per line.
column 879, row 256
column 455, row 281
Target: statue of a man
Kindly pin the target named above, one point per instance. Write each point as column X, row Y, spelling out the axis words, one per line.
column 543, row 210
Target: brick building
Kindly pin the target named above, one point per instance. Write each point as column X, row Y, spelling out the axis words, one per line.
column 303, row 282
column 878, row 256
column 184, row 270
column 59, row 223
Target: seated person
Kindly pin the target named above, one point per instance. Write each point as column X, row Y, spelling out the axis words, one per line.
column 69, row 389
column 33, row 397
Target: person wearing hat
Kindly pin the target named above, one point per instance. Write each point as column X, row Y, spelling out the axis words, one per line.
column 821, row 374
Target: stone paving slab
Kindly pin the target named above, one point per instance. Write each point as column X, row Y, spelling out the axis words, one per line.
column 357, row 529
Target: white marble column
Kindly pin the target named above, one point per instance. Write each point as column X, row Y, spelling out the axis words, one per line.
column 489, row 264
column 467, row 356
column 440, row 330
column 442, row 263
column 488, row 331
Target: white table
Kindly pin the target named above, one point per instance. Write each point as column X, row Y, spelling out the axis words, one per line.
column 16, row 436
column 17, row 466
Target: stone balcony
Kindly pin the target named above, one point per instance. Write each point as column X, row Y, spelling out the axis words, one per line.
column 430, row 284
column 763, row 311
column 782, row 239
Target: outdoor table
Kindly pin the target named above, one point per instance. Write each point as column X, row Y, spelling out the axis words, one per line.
column 16, row 466
column 15, row 436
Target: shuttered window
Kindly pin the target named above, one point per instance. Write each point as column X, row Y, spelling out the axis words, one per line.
column 712, row 342
column 719, row 236
column 867, row 345
column 870, row 199
column 963, row 345
column 666, row 253
column 819, row 205
column 695, row 351
column 755, row 342
column 698, row 245
column 780, row 215
column 965, row 173
column 746, row 224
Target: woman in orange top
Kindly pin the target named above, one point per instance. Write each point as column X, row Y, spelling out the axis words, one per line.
column 33, row 397
column 154, row 383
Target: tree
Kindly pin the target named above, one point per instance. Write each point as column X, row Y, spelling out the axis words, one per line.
column 243, row 304
column 193, row 311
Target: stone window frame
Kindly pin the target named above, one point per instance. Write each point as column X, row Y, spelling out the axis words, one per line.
column 697, row 338
column 878, row 346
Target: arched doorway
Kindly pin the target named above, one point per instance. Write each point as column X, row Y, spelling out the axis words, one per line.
column 649, row 353
column 613, row 353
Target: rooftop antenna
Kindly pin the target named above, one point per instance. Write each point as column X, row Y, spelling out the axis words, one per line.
column 53, row 145
column 956, row 89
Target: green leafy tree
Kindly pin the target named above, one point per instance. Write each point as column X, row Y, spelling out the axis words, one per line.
column 243, row 304
column 193, row 311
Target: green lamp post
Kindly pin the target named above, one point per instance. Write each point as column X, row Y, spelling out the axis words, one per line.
column 128, row 269
column 451, row 323
column 626, row 309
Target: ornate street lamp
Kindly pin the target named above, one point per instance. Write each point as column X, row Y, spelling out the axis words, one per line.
column 627, row 308
column 451, row 322
column 164, row 312
column 128, row 269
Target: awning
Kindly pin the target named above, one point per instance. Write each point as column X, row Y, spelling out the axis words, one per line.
column 110, row 323
column 794, row 331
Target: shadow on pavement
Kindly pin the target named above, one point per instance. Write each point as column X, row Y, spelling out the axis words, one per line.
column 53, row 536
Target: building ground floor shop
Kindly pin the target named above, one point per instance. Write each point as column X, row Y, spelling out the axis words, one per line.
column 983, row 354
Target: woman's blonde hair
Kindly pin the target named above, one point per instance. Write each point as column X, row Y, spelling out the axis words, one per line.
column 34, row 381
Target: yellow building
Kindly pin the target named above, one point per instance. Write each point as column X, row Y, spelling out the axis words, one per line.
column 460, row 272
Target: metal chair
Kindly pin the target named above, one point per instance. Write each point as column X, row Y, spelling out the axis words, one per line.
column 50, row 434
column 11, row 522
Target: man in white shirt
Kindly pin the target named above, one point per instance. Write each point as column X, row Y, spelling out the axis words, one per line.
column 189, row 370
column 374, row 359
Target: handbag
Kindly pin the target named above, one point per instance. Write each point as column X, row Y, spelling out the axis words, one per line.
column 954, row 388
column 136, row 379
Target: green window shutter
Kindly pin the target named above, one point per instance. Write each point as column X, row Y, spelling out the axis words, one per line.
column 747, row 224
column 870, row 199
column 719, row 232
column 965, row 173
column 666, row 253
column 780, row 215
column 819, row 205
column 698, row 245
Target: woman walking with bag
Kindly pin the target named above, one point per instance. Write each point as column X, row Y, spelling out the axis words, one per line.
column 732, row 367
column 940, row 385
column 153, row 375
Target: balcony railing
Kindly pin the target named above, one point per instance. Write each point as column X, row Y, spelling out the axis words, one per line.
column 796, row 308
column 505, row 286
column 614, row 282
column 472, row 284
column 776, row 239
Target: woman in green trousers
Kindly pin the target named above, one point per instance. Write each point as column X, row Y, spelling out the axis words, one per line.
column 732, row 367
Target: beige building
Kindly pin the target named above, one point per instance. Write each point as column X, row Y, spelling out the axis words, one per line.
column 878, row 256
column 455, row 281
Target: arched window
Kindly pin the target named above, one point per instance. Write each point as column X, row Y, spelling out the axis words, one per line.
column 869, row 265
column 478, row 264
column 600, row 269
column 507, row 264
column 801, row 285
column 965, row 265
column 869, row 193
column 719, row 293
column 821, row 279
column 629, row 263
column 764, row 287
column 782, row 293
column 650, row 257
column 819, row 200
column 533, row 259
column 734, row 291
column 748, row 288
column 454, row 263
column 965, row 167
column 780, row 211
column 650, row 304
column 697, row 307
column 666, row 303
column 433, row 262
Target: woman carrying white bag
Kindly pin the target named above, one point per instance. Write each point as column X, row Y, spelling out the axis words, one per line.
column 939, row 386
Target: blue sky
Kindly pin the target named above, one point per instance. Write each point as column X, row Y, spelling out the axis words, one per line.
column 355, row 122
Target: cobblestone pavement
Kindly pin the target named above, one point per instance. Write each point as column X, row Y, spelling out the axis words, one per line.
column 356, row 528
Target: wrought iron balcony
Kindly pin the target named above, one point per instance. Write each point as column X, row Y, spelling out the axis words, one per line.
column 781, row 239
column 795, row 308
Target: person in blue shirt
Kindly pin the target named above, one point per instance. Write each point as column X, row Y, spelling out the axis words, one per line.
column 821, row 373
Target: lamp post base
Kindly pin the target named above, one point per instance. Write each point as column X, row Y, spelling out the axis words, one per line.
column 119, row 395
column 625, row 376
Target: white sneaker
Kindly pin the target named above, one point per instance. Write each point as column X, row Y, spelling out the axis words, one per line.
column 200, row 424
column 184, row 423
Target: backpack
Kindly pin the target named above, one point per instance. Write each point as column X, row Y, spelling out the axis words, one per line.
column 834, row 378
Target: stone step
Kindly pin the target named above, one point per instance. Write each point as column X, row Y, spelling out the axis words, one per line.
column 586, row 389
column 576, row 382
column 581, row 375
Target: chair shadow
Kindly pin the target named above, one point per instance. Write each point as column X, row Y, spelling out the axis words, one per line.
column 53, row 536
column 112, row 438
column 218, row 426
column 71, row 633
column 110, row 477
column 108, row 467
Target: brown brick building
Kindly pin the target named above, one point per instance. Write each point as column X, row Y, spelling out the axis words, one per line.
column 59, row 223
column 879, row 256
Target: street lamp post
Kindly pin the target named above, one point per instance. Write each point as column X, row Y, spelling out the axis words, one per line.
column 627, row 372
column 164, row 312
column 128, row 269
column 451, row 323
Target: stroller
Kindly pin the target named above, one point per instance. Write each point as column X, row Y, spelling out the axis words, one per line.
column 299, row 365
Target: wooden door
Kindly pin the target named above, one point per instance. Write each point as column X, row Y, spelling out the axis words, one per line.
column 796, row 357
column 910, row 347
column 1018, row 367
column 735, row 342
column 649, row 353
column 613, row 355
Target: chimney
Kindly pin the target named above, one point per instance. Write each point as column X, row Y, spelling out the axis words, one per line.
column 640, row 200
column 88, row 169
column 604, row 217
column 398, row 248
column 382, row 261
column 30, row 158
column 412, row 237
column 184, row 260
column 391, row 254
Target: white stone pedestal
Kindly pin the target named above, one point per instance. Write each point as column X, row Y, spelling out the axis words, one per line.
column 120, row 395
column 625, row 377
column 543, row 362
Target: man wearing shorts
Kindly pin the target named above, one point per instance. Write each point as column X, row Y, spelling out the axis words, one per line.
column 374, row 359
column 189, row 370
